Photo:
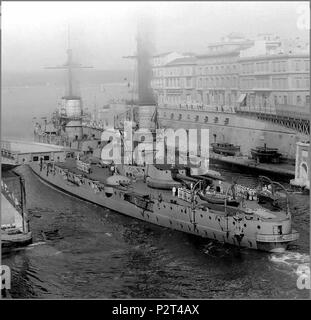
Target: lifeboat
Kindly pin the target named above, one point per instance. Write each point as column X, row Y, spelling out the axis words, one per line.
column 160, row 179
column 219, row 199
column 117, row 180
column 162, row 184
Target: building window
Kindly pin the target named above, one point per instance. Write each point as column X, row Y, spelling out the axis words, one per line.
column 197, row 118
column 206, row 119
column 172, row 115
column 297, row 83
column 180, row 117
column 298, row 100
column 285, row 99
column 35, row 158
column 46, row 158
column 307, row 100
column 297, row 67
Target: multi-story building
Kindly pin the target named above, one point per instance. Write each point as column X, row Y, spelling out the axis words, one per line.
column 179, row 82
column 212, row 90
column 159, row 63
column 274, row 81
column 218, row 78
column 262, row 74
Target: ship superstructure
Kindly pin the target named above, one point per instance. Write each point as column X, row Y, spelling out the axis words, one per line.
column 67, row 119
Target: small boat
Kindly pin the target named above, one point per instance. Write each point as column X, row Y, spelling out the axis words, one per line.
column 16, row 239
column 227, row 149
column 266, row 155
column 219, row 199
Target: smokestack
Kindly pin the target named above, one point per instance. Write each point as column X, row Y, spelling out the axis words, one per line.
column 145, row 51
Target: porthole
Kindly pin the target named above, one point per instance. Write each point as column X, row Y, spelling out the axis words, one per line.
column 258, row 227
column 233, row 223
column 210, row 217
column 250, row 244
column 170, row 222
column 201, row 215
column 181, row 226
column 245, row 225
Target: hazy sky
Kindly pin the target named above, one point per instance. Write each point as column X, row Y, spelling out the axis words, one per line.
column 34, row 34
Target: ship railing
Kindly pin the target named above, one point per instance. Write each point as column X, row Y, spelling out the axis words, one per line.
column 278, row 237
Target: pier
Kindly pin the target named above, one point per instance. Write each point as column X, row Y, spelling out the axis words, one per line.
column 14, row 152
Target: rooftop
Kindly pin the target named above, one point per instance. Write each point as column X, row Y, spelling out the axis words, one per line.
column 179, row 61
column 218, row 54
column 30, row 147
column 162, row 54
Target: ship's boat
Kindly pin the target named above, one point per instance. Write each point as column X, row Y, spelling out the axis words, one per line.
column 219, row 199
column 266, row 155
column 162, row 184
column 224, row 148
column 160, row 179
column 117, row 180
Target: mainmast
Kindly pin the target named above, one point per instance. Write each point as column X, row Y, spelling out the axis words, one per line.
column 71, row 110
column 69, row 66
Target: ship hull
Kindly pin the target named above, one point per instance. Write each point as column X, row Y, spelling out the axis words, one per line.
column 205, row 223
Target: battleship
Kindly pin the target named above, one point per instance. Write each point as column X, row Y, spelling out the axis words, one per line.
column 177, row 196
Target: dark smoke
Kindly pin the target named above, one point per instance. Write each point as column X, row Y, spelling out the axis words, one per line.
column 145, row 51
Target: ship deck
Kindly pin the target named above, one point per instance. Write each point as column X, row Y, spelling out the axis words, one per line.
column 140, row 187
